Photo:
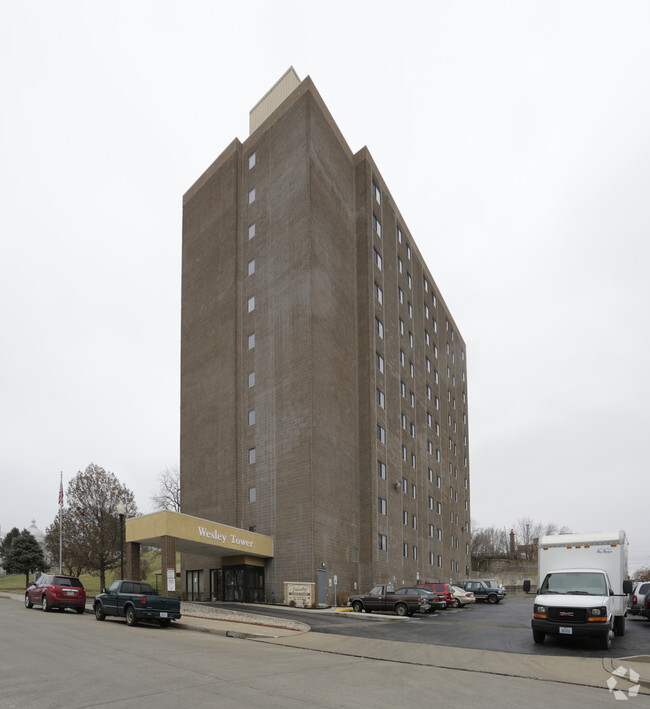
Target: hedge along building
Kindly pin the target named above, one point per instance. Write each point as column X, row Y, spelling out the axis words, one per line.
column 323, row 379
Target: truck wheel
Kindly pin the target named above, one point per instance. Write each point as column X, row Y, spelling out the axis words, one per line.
column 28, row 603
column 619, row 625
column 538, row 637
column 99, row 612
column 401, row 609
column 492, row 599
column 357, row 606
column 605, row 643
column 131, row 617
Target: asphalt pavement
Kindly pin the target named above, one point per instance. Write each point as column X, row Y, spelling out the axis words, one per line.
column 625, row 675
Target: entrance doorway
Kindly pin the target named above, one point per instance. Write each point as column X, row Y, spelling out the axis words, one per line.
column 237, row 584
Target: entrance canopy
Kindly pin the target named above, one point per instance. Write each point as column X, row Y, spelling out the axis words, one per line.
column 197, row 536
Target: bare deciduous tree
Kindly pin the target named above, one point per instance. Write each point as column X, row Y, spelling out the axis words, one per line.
column 168, row 494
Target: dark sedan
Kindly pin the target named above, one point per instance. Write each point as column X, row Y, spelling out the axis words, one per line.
column 435, row 600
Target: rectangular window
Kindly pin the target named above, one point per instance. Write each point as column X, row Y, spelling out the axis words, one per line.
column 429, row 420
column 413, row 462
column 381, row 505
column 408, row 252
column 427, row 341
column 380, row 362
column 377, row 225
column 439, row 511
column 252, row 494
column 432, row 531
column 405, row 550
column 251, row 417
column 401, row 326
column 439, row 564
column 412, row 429
column 381, row 434
column 251, row 455
column 404, row 454
column 379, row 327
column 403, row 389
column 402, row 358
column 381, row 542
column 405, row 518
column 399, row 235
column 438, row 456
column 409, row 280
column 415, row 553
column 378, row 259
column 381, row 399
column 411, row 370
column 414, row 521
column 379, row 294
column 410, row 308
column 251, row 231
column 251, row 341
column 438, row 481
column 431, row 558
column 412, row 395
column 251, row 196
column 403, row 422
column 430, row 475
column 405, row 485
column 400, row 295
column 251, row 304
column 251, row 161
column 430, row 507
column 251, row 267
column 251, row 379
column 400, row 265
column 376, row 192
column 410, row 339
column 381, row 469
column 414, row 492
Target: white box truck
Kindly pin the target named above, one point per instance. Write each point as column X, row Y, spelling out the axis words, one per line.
column 584, row 586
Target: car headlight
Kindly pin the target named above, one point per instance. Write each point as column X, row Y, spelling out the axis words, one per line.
column 540, row 609
column 597, row 611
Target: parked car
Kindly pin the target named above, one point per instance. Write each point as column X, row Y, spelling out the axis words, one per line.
column 493, row 583
column 462, row 597
column 435, row 600
column 382, row 597
column 443, row 589
column 136, row 601
column 56, row 591
column 636, row 603
column 483, row 592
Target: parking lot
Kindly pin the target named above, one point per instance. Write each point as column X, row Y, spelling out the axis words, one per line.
column 504, row 627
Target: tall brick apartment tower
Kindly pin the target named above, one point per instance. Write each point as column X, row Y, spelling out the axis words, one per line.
column 323, row 379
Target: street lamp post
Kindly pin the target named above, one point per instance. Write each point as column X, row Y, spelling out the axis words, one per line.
column 121, row 511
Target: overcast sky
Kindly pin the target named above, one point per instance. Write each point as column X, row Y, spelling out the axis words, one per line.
column 514, row 136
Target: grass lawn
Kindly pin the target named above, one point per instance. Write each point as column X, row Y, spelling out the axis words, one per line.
column 16, row 584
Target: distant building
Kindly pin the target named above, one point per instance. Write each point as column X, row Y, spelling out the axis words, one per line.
column 323, row 377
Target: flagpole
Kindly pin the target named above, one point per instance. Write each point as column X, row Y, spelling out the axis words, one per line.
column 61, row 524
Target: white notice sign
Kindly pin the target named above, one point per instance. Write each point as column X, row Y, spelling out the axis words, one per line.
column 171, row 579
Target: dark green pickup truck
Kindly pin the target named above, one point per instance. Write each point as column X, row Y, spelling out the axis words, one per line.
column 135, row 601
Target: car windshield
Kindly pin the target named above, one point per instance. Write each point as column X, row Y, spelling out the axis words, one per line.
column 582, row 583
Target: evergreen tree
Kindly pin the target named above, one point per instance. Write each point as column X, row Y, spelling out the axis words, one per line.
column 25, row 556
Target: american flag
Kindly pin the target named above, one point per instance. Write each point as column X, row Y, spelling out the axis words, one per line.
column 61, row 491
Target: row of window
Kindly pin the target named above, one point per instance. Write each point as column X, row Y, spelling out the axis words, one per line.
column 434, row 559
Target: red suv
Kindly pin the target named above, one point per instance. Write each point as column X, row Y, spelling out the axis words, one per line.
column 56, row 591
column 442, row 589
